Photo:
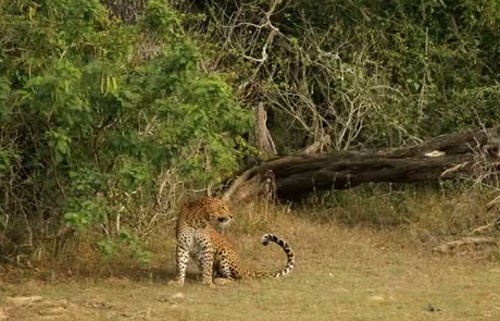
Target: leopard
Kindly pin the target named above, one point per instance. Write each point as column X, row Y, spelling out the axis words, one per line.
column 199, row 236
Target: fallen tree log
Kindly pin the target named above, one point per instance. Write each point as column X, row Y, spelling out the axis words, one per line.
column 292, row 177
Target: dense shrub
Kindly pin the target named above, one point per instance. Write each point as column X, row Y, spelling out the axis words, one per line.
column 92, row 112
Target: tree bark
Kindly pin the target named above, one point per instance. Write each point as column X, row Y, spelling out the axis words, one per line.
column 264, row 140
column 295, row 176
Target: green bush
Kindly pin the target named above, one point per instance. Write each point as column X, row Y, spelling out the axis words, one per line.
column 93, row 110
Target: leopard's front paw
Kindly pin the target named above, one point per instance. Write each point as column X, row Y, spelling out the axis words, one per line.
column 176, row 282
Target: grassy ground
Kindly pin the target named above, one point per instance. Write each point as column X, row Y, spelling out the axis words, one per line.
column 342, row 273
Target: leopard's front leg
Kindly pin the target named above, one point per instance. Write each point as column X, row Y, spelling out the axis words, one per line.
column 181, row 260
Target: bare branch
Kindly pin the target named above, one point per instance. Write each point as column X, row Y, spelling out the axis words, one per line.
column 446, row 248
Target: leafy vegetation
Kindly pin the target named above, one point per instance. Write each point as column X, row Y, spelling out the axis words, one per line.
column 93, row 111
column 110, row 110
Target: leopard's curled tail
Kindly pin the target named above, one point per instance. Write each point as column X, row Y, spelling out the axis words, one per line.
column 266, row 239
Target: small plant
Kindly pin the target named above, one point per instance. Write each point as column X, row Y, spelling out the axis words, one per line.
column 125, row 242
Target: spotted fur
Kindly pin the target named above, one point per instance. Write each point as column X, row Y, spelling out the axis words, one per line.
column 198, row 237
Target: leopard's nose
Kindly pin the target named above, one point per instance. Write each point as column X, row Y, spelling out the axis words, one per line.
column 222, row 219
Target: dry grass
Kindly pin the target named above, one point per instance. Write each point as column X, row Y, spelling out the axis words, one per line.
column 343, row 272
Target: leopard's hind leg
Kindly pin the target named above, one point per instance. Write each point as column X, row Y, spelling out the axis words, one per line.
column 206, row 259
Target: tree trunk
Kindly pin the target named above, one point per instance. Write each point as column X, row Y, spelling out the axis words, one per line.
column 264, row 140
column 295, row 176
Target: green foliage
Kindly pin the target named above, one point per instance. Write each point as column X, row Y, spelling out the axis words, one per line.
column 159, row 18
column 127, row 240
column 93, row 110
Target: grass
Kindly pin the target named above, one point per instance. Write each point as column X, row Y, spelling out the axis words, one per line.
column 344, row 272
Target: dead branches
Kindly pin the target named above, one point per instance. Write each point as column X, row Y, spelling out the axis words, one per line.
column 466, row 241
column 251, row 28
column 471, row 240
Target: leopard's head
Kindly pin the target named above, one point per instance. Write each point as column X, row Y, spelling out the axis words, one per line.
column 217, row 211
